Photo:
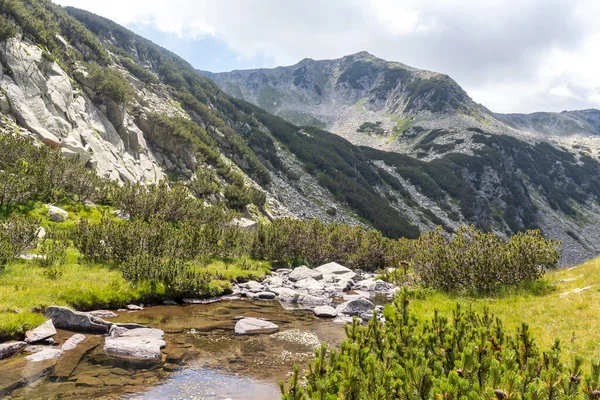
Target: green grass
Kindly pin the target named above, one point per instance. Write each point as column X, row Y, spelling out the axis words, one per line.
column 572, row 318
column 25, row 288
column 25, row 291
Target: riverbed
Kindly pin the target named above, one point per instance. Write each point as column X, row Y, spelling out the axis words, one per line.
column 203, row 358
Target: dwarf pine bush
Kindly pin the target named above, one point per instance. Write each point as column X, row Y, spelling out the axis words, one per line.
column 466, row 355
column 473, row 260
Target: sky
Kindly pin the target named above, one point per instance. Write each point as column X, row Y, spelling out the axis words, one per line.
column 510, row 55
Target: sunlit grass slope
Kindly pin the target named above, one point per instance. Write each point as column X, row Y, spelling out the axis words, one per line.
column 554, row 308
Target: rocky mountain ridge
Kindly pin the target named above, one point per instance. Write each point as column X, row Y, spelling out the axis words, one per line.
column 137, row 112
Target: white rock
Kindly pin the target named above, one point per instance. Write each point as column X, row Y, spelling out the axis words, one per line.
column 304, row 272
column 252, row 286
column 41, row 332
column 46, row 354
column 251, row 326
column 140, row 343
column 57, row 214
column 309, row 285
column 325, row 312
column 73, row 341
column 335, row 272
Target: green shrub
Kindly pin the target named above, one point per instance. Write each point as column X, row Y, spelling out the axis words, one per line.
column 472, row 260
column 463, row 356
column 17, row 233
column 109, row 83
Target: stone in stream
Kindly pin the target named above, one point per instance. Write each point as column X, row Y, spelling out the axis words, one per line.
column 46, row 354
column 262, row 295
column 325, row 312
column 335, row 272
column 355, row 307
column 133, row 307
column 72, row 357
column 11, row 348
column 304, row 272
column 104, row 314
column 253, row 326
column 140, row 343
column 73, row 341
column 65, row 318
column 20, row 372
column 292, row 296
column 41, row 332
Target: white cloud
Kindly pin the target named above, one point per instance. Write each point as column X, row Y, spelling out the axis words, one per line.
column 512, row 56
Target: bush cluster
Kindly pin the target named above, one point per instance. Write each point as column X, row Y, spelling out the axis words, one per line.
column 464, row 356
column 473, row 260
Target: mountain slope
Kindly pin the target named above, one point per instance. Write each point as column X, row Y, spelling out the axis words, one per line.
column 566, row 123
column 137, row 112
column 455, row 160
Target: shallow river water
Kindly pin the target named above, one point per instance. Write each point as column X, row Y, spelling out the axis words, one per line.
column 203, row 358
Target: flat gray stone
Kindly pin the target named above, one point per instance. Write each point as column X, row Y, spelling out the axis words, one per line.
column 41, row 332
column 46, row 354
column 141, row 343
column 325, row 312
column 65, row 318
column 10, row 349
column 133, row 307
column 355, row 307
column 253, row 326
column 304, row 272
column 262, row 295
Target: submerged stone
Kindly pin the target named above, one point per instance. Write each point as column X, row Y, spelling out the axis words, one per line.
column 253, row 326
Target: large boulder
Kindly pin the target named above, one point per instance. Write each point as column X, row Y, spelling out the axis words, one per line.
column 140, row 343
column 253, row 326
column 65, row 318
column 41, row 332
column 304, row 272
column 355, row 307
column 335, row 272
column 11, row 348
column 57, row 214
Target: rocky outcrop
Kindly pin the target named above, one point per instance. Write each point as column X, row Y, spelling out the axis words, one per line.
column 254, row 326
column 50, row 108
column 65, row 318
